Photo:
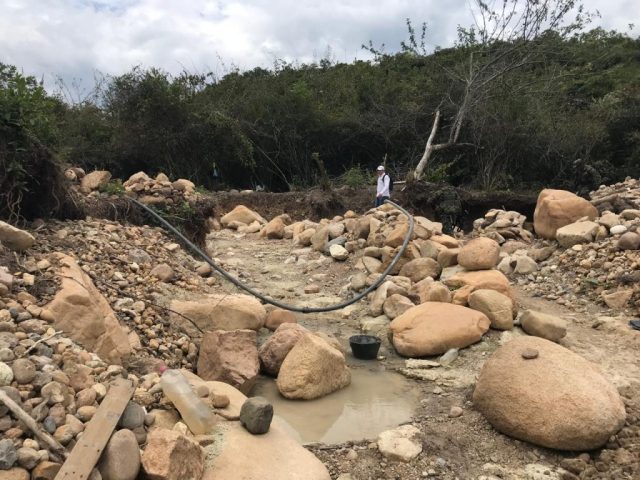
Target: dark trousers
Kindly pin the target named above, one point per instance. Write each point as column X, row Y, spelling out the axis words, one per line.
column 380, row 200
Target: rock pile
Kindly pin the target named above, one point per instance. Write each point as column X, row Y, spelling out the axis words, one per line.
column 618, row 197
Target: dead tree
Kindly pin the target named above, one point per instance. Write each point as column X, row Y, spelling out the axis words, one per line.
column 504, row 38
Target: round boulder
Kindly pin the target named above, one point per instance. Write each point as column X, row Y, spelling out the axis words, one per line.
column 481, row 253
column 555, row 400
column 279, row 316
column 432, row 328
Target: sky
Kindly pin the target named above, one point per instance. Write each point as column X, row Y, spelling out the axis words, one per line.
column 74, row 39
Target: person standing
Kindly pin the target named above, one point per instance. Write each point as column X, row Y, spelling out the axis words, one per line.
column 382, row 191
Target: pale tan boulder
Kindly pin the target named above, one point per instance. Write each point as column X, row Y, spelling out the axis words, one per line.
column 170, row 455
column 397, row 235
column 446, row 240
column 448, row 257
column 15, row 239
column 303, row 239
column 432, row 328
column 544, row 325
column 239, row 455
column 312, row 369
column 274, row 230
column 420, row 268
column 80, row 310
column 94, row 180
column 320, row 238
column 395, row 305
column 273, row 352
column 230, row 357
column 555, row 400
column 481, row 253
column 243, row 215
column 467, row 282
column 277, row 317
column 497, row 307
column 219, row 312
column 557, row 208
column 575, row 233
column 431, row 249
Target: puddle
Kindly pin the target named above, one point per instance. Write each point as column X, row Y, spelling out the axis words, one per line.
column 375, row 401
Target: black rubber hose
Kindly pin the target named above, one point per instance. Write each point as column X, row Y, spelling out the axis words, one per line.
column 272, row 301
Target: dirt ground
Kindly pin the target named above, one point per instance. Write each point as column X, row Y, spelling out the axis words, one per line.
column 466, row 447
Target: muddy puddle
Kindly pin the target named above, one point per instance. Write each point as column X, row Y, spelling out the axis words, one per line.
column 376, row 400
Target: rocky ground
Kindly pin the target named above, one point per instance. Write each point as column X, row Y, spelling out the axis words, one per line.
column 83, row 303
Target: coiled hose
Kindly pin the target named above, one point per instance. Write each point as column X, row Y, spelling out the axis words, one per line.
column 272, row 301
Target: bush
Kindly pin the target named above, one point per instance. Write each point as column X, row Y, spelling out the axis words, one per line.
column 356, row 177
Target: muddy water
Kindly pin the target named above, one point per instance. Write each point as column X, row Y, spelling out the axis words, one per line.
column 375, row 401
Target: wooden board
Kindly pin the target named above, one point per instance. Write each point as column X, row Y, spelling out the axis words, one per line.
column 85, row 454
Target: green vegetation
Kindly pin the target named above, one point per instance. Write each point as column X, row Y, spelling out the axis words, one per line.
column 114, row 187
column 516, row 112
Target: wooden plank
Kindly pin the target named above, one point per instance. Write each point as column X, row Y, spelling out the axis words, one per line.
column 85, row 454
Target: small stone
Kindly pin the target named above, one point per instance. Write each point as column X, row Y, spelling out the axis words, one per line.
column 6, row 375
column 121, row 457
column 202, row 391
column 352, row 455
column 45, row 471
column 220, row 401
column 24, row 370
column 14, row 474
column 313, row 288
column 529, row 353
column 64, row 434
column 132, row 417
column 256, row 414
column 455, row 412
column 8, row 454
column 163, row 272
column 86, row 413
column 28, row 458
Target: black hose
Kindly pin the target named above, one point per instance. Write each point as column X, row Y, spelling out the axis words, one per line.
column 272, row 301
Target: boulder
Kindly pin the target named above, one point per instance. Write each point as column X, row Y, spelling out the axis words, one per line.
column 15, row 239
column 163, row 272
column 395, row 305
column 279, row 316
column 555, row 400
column 497, row 307
column 432, row 328
column 543, row 325
column 481, row 279
column 362, row 228
column 273, row 456
column 184, row 185
column 614, row 300
column 120, row 459
column 219, row 312
column 481, row 253
column 273, row 352
column 312, row 369
column 448, row 257
column 557, row 208
column 525, row 265
column 446, row 241
column 578, row 232
column 243, row 215
column 420, row 268
column 94, row 180
column 431, row 249
column 303, row 239
column 338, row 252
column 320, row 238
column 274, row 230
column 81, row 311
column 397, row 235
column 170, row 455
column 256, row 415
column 629, row 241
column 335, row 230
column 400, row 444
column 230, row 357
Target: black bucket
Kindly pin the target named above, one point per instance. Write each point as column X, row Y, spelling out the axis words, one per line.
column 365, row 346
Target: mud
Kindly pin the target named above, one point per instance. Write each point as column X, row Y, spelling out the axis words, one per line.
column 376, row 400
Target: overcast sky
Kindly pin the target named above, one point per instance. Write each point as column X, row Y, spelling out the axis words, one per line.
column 75, row 38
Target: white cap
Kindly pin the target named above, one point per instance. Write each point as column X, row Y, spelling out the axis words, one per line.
column 381, row 168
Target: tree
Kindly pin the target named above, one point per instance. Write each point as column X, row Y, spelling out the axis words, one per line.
column 506, row 36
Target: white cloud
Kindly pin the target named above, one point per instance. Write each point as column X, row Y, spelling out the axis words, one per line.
column 74, row 38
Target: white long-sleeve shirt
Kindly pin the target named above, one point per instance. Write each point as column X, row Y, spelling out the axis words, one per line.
column 383, row 186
